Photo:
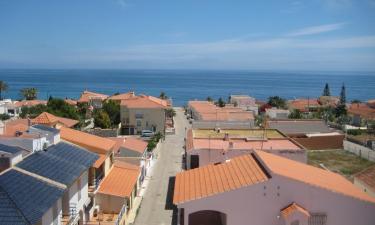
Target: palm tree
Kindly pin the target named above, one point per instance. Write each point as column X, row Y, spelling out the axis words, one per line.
column 163, row 95
column 29, row 93
column 3, row 87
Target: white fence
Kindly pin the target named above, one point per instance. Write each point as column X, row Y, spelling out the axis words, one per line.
column 360, row 150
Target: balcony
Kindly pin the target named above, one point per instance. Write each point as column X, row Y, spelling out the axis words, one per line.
column 72, row 218
column 107, row 218
column 94, row 186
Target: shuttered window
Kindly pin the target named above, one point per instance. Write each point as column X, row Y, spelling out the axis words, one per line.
column 318, row 219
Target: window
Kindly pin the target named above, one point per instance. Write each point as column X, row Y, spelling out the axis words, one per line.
column 139, row 123
column 318, row 219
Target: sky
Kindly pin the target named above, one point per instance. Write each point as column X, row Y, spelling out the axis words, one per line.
column 308, row 35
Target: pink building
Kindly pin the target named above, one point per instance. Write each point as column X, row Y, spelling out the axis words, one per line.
column 265, row 189
column 201, row 151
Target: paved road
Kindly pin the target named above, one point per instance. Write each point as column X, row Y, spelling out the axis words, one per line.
column 154, row 209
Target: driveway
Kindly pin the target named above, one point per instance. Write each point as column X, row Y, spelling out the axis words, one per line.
column 156, row 207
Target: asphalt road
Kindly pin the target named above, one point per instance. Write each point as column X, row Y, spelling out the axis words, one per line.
column 156, row 207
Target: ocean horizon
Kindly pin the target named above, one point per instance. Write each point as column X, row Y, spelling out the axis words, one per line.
column 185, row 85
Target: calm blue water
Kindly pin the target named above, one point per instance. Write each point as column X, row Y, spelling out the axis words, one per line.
column 183, row 85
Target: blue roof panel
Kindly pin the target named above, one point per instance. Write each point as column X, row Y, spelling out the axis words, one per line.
column 52, row 167
column 27, row 196
column 10, row 149
column 45, row 128
column 73, row 154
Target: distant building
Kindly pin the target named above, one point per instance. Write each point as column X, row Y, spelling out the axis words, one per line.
column 143, row 113
column 122, row 96
column 275, row 113
column 304, row 105
column 331, row 101
column 244, row 102
column 92, row 99
column 366, row 180
column 207, row 115
column 312, row 134
column 208, row 146
column 361, row 113
column 262, row 188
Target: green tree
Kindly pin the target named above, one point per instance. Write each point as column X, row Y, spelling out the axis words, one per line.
column 209, row 99
column 170, row 112
column 101, row 119
column 326, row 91
column 4, row 116
column 276, row 101
column 59, row 107
column 220, row 103
column 340, row 111
column 295, row 114
column 163, row 95
column 112, row 108
column 3, row 88
column 33, row 111
column 29, row 93
column 342, row 95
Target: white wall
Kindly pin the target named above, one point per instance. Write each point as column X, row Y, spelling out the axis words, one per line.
column 261, row 204
column 49, row 219
column 360, row 150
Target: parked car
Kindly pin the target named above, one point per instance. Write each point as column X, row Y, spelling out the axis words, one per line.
column 147, row 133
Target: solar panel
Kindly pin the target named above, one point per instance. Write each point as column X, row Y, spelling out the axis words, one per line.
column 52, row 167
column 30, row 196
column 45, row 128
column 10, row 149
column 73, row 154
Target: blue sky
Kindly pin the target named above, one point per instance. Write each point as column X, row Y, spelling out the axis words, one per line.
column 188, row 34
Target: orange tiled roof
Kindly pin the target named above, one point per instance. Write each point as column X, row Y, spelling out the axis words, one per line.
column 91, row 142
column 86, row 96
column 209, row 111
column 71, row 101
column 303, row 105
column 30, row 103
column 121, row 180
column 18, row 125
column 122, row 96
column 213, row 179
column 144, row 101
column 131, row 143
column 50, row 119
column 367, row 176
column 290, row 209
column 312, row 176
column 220, row 144
column 100, row 161
column 362, row 109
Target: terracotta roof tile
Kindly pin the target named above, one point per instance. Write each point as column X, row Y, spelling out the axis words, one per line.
column 120, row 181
column 14, row 126
column 30, row 103
column 367, row 176
column 50, row 119
column 290, row 209
column 362, row 109
column 122, row 96
column 144, row 101
column 213, row 179
column 304, row 104
column 131, row 143
column 312, row 176
column 100, row 161
column 71, row 101
column 91, row 142
column 86, row 96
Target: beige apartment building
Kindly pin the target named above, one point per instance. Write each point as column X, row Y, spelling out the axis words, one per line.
column 143, row 113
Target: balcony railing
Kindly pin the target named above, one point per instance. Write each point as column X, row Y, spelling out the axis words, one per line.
column 73, row 217
column 122, row 212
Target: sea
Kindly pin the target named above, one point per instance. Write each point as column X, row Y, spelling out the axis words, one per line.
column 185, row 85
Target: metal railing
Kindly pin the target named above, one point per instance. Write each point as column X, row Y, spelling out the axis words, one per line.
column 122, row 212
column 73, row 215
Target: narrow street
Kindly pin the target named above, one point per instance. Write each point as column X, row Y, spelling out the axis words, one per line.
column 154, row 209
